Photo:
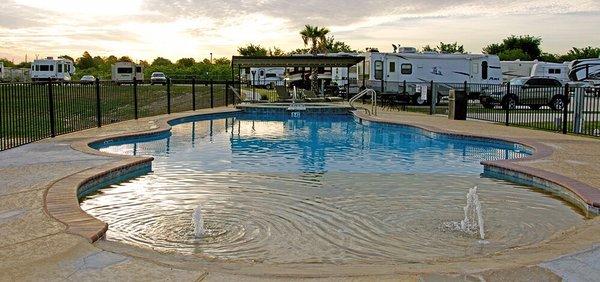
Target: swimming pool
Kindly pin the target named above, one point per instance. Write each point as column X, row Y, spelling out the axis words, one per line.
column 319, row 189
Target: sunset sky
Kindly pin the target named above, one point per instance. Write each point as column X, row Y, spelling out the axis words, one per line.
column 145, row 29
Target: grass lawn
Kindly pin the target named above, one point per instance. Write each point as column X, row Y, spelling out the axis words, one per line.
column 25, row 108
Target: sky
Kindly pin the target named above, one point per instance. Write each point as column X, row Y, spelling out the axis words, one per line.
column 146, row 29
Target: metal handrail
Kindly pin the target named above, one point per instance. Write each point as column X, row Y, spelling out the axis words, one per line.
column 236, row 93
column 373, row 100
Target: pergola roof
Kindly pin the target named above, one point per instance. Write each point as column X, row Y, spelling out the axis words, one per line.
column 296, row 61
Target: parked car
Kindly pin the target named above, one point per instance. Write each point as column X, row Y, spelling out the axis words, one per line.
column 158, row 78
column 87, row 79
column 533, row 92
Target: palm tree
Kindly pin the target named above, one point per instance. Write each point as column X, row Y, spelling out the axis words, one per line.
column 316, row 37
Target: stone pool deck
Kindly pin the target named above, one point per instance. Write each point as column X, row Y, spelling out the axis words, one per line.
column 35, row 245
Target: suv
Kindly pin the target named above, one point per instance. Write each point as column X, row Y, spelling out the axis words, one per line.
column 158, row 78
column 534, row 92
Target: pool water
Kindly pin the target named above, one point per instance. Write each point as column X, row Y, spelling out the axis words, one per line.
column 319, row 189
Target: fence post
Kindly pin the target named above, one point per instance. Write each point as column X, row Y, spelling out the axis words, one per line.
column 466, row 90
column 98, row 109
column 212, row 94
column 507, row 110
column 135, row 98
column 431, row 100
column 565, row 109
column 194, row 93
column 169, row 95
column 51, row 106
column 226, row 93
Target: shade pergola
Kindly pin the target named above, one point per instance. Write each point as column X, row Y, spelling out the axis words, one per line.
column 296, row 61
column 306, row 61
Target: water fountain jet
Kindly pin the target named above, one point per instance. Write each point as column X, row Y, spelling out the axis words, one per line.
column 198, row 222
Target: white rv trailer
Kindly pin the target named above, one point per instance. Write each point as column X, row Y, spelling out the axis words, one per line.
column 390, row 70
column 585, row 70
column 1, row 71
column 50, row 68
column 517, row 68
column 554, row 70
column 266, row 77
column 124, row 72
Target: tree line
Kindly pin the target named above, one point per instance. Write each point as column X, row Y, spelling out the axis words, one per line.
column 316, row 40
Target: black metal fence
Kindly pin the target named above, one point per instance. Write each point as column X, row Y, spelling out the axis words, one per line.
column 560, row 108
column 34, row 111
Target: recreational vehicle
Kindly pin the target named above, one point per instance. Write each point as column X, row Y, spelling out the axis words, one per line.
column 266, row 77
column 552, row 70
column 124, row 72
column 515, row 69
column 585, row 70
column 387, row 72
column 50, row 68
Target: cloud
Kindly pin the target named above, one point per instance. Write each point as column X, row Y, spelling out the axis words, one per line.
column 145, row 29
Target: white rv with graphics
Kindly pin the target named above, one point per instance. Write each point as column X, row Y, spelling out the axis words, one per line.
column 419, row 69
column 585, row 70
column 124, row 72
column 50, row 68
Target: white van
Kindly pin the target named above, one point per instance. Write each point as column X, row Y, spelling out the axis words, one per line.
column 124, row 72
column 50, row 68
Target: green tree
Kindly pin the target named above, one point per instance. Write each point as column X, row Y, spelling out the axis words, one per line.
column 513, row 54
column 316, row 39
column 252, row 50
column 448, row 48
column 186, row 62
column 276, row 52
column 85, row 61
column 335, row 46
column 527, row 44
column 581, row 53
column 160, row 61
column 111, row 60
column 67, row 57
column 23, row 65
column 125, row 59
column 300, row 51
column 7, row 62
column 222, row 61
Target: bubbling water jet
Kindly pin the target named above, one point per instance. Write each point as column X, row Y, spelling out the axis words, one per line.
column 198, row 222
column 473, row 220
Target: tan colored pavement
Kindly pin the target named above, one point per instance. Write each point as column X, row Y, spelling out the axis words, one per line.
column 36, row 247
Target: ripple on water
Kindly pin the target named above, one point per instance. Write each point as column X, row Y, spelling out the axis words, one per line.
column 335, row 217
column 320, row 189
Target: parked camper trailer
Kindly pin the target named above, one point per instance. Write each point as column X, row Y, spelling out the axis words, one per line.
column 585, row 70
column 390, row 70
column 124, row 72
column 50, row 68
column 517, row 68
column 266, row 77
column 553, row 70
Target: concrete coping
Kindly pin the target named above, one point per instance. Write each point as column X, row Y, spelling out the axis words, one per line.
column 61, row 198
